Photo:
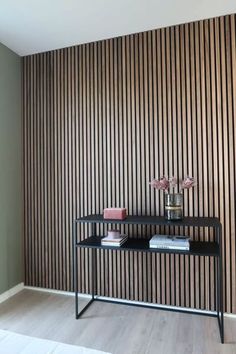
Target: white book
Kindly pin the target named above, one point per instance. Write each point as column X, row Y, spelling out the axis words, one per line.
column 169, row 240
column 161, row 238
column 168, row 247
column 115, row 244
column 114, row 240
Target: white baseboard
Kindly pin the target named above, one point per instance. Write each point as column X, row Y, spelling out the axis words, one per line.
column 158, row 306
column 131, row 302
column 13, row 291
column 21, row 286
column 58, row 292
column 87, row 296
column 230, row 315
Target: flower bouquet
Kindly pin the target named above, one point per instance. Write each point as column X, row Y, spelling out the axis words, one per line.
column 173, row 198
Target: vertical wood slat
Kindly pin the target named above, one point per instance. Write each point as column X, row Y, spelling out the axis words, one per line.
column 99, row 121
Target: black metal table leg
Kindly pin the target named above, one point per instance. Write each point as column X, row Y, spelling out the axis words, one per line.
column 93, row 230
column 93, row 271
column 220, row 305
column 221, row 286
column 75, row 254
column 93, row 275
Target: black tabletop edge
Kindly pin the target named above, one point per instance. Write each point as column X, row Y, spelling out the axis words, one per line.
column 153, row 220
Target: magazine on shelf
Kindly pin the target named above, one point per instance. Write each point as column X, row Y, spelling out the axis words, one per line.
column 171, row 247
column 113, row 244
column 170, row 242
column 118, row 241
column 114, row 239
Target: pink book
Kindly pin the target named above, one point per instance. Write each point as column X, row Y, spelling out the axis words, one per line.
column 114, row 213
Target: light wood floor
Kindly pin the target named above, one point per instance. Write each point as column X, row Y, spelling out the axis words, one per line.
column 117, row 329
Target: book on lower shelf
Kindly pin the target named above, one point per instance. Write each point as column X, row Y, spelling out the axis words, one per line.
column 170, row 242
column 116, row 242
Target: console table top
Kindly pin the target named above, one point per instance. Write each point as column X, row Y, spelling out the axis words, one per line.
column 153, row 220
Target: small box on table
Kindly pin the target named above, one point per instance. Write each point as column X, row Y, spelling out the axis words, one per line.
column 114, row 213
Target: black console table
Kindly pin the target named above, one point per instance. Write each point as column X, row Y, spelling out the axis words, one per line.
column 197, row 248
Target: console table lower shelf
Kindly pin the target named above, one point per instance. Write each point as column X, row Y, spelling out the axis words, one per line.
column 142, row 245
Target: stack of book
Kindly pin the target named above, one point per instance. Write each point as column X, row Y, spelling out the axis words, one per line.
column 116, row 242
column 170, row 242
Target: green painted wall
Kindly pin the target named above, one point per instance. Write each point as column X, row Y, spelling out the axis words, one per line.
column 11, row 215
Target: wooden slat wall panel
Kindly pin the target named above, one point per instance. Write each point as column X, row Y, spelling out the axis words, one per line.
column 102, row 119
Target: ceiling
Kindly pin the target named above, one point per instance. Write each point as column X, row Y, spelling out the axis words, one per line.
column 32, row 26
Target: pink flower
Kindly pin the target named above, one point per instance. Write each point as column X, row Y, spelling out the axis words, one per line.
column 173, row 181
column 162, row 183
column 188, row 182
column 154, row 183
